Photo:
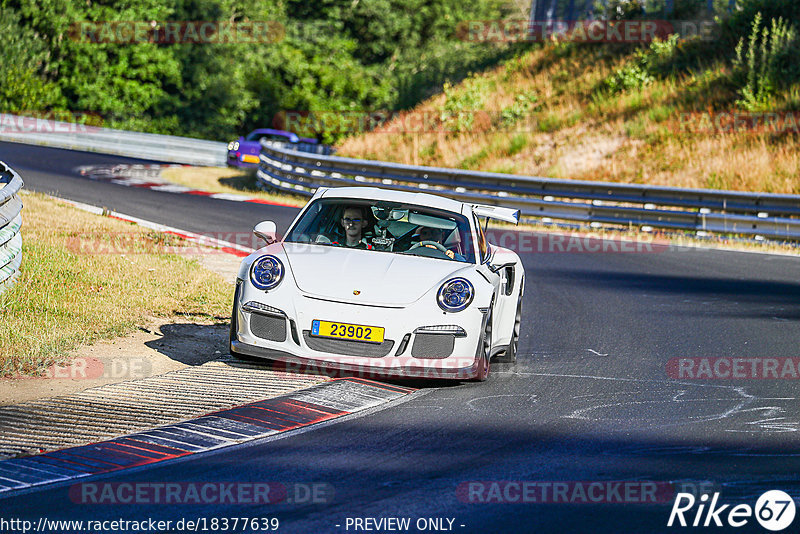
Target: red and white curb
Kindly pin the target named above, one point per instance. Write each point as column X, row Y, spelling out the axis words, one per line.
column 148, row 177
column 198, row 239
column 217, row 430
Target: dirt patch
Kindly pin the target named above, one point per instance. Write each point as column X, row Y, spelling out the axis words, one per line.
column 225, row 265
column 588, row 154
column 163, row 347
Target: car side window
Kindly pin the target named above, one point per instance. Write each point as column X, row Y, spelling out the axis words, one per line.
column 482, row 246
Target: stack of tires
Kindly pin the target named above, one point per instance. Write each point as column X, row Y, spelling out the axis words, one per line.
column 10, row 224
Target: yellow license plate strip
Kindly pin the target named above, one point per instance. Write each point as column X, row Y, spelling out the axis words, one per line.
column 353, row 332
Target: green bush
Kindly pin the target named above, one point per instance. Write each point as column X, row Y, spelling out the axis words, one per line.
column 521, row 107
column 645, row 65
column 457, row 113
column 517, row 144
column 766, row 61
column 23, row 59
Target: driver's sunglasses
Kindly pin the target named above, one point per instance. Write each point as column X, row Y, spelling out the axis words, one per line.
column 348, row 220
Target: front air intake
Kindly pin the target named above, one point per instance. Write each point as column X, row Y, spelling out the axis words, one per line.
column 433, row 346
column 269, row 327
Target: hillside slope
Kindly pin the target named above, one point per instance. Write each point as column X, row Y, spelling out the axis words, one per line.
column 656, row 114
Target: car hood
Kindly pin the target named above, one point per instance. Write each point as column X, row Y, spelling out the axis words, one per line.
column 381, row 278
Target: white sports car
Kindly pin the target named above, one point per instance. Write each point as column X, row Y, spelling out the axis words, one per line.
column 384, row 282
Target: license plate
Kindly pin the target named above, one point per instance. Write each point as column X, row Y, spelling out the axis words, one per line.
column 249, row 158
column 353, row 332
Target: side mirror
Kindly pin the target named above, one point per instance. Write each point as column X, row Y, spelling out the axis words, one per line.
column 496, row 267
column 266, row 230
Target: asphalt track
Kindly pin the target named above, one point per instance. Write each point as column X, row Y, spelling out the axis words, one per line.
column 590, row 398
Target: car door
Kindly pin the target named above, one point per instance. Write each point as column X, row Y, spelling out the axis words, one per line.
column 496, row 279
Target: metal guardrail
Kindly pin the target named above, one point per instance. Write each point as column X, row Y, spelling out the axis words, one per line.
column 323, row 150
column 10, row 223
column 73, row 136
column 547, row 199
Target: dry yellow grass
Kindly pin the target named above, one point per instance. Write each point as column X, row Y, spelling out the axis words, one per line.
column 579, row 132
column 85, row 277
column 226, row 180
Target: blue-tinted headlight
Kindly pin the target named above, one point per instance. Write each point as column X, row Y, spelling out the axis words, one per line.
column 455, row 294
column 266, row 272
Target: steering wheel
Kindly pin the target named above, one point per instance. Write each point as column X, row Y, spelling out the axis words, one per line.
column 438, row 246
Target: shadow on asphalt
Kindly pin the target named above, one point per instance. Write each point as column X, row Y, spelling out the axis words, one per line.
column 191, row 344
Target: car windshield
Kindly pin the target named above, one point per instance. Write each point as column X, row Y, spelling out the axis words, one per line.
column 385, row 227
column 258, row 136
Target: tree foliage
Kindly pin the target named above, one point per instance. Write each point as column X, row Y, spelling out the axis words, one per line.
column 348, row 55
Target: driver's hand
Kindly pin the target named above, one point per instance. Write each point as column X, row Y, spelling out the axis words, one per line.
column 450, row 253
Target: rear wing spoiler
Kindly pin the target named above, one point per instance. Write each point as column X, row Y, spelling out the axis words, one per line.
column 496, row 212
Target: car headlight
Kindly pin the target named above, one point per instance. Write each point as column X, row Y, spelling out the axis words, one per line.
column 455, row 294
column 236, row 145
column 230, row 145
column 266, row 272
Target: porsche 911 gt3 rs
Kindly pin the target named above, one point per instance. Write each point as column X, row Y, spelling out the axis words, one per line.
column 386, row 282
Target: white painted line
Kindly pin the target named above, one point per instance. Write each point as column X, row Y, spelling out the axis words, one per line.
column 230, row 196
column 171, row 188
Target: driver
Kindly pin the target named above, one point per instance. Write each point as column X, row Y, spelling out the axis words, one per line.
column 354, row 220
column 427, row 233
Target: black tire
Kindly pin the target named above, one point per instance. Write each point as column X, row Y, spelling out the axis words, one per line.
column 510, row 355
column 234, row 326
column 484, row 363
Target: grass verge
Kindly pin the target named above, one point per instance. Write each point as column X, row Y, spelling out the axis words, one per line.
column 85, row 277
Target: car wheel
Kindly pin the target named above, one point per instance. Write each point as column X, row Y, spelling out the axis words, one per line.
column 486, row 351
column 234, row 325
column 510, row 355
column 234, row 329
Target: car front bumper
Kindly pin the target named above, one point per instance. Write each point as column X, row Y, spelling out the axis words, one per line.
column 282, row 332
column 242, row 160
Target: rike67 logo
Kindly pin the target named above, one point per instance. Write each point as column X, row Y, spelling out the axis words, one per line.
column 774, row 510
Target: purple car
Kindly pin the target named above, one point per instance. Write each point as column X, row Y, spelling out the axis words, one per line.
column 244, row 151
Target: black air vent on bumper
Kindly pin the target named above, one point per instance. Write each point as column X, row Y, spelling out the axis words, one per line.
column 346, row 347
column 433, row 346
column 268, row 327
